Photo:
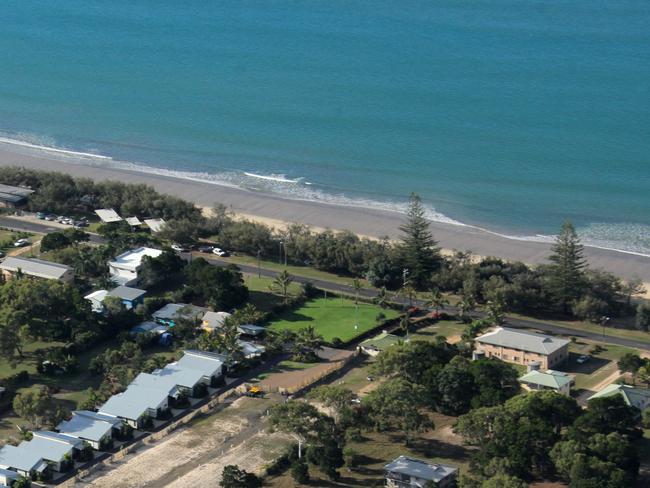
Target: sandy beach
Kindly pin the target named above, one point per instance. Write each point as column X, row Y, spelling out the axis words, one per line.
column 275, row 210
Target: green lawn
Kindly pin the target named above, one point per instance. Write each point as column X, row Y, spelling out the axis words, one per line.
column 261, row 296
column 332, row 317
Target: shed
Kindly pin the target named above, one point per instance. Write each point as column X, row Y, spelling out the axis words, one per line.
column 108, row 215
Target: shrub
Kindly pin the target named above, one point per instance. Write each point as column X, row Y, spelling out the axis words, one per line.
column 300, row 472
column 351, row 458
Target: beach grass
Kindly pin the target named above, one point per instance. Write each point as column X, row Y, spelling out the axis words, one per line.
column 332, row 317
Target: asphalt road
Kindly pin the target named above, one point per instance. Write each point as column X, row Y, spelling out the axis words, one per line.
column 44, row 228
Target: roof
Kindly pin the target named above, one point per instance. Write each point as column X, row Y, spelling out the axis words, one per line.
column 144, row 327
column 10, row 197
column 8, row 474
column 98, row 295
column 108, row 215
column 155, row 382
column 633, row 396
column 132, row 258
column 250, row 349
column 126, row 293
column 420, row 469
column 15, row 190
column 381, row 342
column 207, row 363
column 35, row 267
column 156, row 225
column 51, row 448
column 83, row 427
column 21, row 458
column 133, row 221
column 177, row 375
column 550, row 379
column 250, row 329
column 523, row 341
column 177, row 310
column 134, row 402
column 215, row 320
column 99, row 416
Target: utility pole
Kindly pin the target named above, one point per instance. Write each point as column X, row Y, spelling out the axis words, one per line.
column 604, row 320
column 259, row 268
column 280, row 252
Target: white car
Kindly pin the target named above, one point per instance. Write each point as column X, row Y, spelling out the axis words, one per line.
column 582, row 359
column 21, row 243
column 220, row 252
column 179, row 248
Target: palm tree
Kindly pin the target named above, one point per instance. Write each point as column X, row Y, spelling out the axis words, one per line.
column 408, row 292
column 306, row 343
column 466, row 307
column 281, row 284
column 405, row 324
column 356, row 285
column 382, row 298
column 436, row 300
column 495, row 311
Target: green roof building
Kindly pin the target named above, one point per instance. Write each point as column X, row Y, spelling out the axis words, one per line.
column 549, row 380
column 377, row 344
column 633, row 396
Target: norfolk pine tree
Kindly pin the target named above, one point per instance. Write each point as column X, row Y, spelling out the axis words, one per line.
column 566, row 277
column 419, row 251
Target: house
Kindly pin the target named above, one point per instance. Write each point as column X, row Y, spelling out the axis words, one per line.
column 633, row 396
column 175, row 311
column 133, row 222
column 96, row 300
column 251, row 330
column 36, row 268
column 108, row 215
column 137, row 404
column 13, row 196
column 124, row 268
column 98, row 433
column 214, row 320
column 25, row 462
column 250, row 350
column 377, row 344
column 515, row 346
column 149, row 327
column 58, row 450
column 8, row 478
column 211, row 365
column 549, row 380
column 405, row 472
column 131, row 297
column 156, row 225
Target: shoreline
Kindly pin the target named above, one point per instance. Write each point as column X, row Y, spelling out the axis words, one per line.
column 275, row 210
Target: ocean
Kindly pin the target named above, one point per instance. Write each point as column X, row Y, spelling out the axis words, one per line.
column 509, row 115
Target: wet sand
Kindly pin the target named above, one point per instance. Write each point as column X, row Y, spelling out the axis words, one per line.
column 363, row 221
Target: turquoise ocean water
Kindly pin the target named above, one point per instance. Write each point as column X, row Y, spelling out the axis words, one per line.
column 507, row 114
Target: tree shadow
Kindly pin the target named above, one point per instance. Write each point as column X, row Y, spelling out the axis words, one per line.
column 292, row 316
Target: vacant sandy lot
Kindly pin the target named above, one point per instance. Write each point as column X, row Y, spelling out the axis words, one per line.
column 195, row 456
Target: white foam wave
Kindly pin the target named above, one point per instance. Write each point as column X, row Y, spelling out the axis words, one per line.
column 625, row 238
column 50, row 149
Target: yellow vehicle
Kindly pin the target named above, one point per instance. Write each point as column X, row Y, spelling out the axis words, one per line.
column 255, row 391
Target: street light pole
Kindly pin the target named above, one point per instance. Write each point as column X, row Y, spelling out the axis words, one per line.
column 604, row 320
column 259, row 268
column 280, row 252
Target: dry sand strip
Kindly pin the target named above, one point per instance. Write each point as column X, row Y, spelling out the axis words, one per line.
column 195, row 456
column 363, row 221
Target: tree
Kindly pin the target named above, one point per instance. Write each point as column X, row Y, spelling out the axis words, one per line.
column 300, row 472
column 34, row 406
column 183, row 232
column 356, row 286
column 154, row 271
column 395, row 406
column 632, row 288
column 307, row 342
column 410, row 360
column 419, row 252
column 233, row 477
column 643, row 316
column 336, row 397
column 436, row 300
column 55, row 240
column 220, row 288
column 302, row 420
column 566, row 273
column 456, row 387
column 504, row 481
column 382, row 298
column 630, row 362
column 249, row 314
column 495, row 311
column 281, row 284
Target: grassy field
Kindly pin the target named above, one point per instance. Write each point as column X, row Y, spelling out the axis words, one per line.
column 304, row 271
column 332, row 317
column 260, row 294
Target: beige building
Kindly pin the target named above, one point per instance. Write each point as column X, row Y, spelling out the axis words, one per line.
column 515, row 346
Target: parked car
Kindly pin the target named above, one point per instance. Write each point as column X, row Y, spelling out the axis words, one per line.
column 205, row 248
column 50, row 218
column 220, row 252
column 2, row 254
column 179, row 248
column 582, row 359
column 21, row 243
column 40, row 215
column 80, row 223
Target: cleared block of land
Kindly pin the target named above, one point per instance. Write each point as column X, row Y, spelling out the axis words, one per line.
column 333, row 317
